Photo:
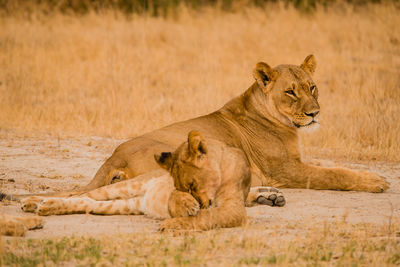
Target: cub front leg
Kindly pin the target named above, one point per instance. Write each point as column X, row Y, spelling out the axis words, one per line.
column 313, row 177
column 231, row 215
column 182, row 204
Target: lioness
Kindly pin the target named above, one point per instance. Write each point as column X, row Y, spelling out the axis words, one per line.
column 263, row 122
column 209, row 175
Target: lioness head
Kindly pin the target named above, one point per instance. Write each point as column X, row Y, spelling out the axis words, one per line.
column 191, row 170
column 291, row 95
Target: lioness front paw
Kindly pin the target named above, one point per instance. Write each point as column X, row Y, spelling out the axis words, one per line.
column 372, row 182
column 271, row 196
column 30, row 204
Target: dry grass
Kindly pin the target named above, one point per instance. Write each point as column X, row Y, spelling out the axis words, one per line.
column 104, row 74
column 311, row 244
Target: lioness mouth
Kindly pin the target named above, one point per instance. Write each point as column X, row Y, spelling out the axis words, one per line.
column 305, row 125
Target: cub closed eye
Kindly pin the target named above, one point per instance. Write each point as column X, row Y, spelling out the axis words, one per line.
column 290, row 93
column 312, row 89
column 191, row 187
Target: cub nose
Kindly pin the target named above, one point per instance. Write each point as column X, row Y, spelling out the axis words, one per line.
column 206, row 203
column 312, row 114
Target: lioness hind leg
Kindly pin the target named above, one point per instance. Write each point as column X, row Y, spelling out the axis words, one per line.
column 11, row 227
column 265, row 195
column 31, row 222
column 18, row 225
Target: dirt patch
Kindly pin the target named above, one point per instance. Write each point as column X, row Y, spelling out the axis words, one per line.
column 37, row 165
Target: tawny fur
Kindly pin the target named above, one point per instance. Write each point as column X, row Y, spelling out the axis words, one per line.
column 18, row 225
column 148, row 194
column 262, row 122
column 218, row 177
column 219, row 174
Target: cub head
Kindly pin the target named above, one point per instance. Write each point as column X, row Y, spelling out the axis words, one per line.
column 289, row 92
column 191, row 169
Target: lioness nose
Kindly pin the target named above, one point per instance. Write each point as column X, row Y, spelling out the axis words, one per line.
column 312, row 114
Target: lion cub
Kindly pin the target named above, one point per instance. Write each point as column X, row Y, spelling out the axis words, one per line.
column 216, row 175
column 210, row 175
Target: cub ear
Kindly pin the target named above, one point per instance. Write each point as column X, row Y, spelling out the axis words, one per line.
column 196, row 144
column 309, row 65
column 264, row 74
column 164, row 160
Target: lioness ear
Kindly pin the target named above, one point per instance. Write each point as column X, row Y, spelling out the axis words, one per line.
column 196, row 144
column 164, row 159
column 264, row 74
column 309, row 65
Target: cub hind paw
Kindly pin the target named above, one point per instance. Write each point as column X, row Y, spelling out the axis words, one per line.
column 51, row 206
column 30, row 204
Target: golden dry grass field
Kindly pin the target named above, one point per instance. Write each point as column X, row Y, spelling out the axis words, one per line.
column 67, row 78
column 105, row 75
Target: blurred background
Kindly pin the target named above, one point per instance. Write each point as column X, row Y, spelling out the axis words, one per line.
column 120, row 68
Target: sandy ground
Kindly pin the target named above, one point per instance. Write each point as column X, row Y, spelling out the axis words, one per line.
column 36, row 165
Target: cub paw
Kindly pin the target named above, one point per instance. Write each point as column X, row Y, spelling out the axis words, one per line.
column 182, row 205
column 190, row 206
column 373, row 183
column 175, row 224
column 270, row 196
column 50, row 206
column 30, row 204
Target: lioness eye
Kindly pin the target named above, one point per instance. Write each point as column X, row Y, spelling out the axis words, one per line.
column 312, row 89
column 290, row 92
